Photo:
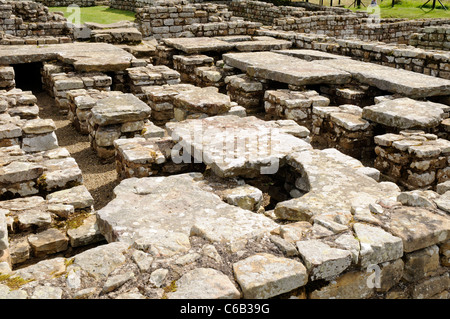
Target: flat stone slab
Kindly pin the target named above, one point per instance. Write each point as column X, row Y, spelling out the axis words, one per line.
column 204, row 283
column 285, row 69
column 311, row 55
column 235, row 146
column 330, row 187
column 323, row 261
column 406, row 113
column 160, row 213
column 408, row 83
column 205, row 100
column 377, row 245
column 119, row 109
column 264, row 275
column 85, row 57
column 417, row 227
column 198, row 45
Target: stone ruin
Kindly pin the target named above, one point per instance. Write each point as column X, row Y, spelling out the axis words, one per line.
column 260, row 151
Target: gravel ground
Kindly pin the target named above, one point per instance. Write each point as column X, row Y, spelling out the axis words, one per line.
column 99, row 177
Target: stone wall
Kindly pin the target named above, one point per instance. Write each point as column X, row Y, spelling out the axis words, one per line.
column 337, row 22
column 397, row 56
column 65, row 3
column 171, row 19
column 268, row 13
column 432, row 38
column 26, row 18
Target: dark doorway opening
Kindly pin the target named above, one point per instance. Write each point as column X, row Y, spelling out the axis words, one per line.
column 28, row 76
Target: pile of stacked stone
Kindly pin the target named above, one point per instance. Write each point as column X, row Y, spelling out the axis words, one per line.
column 18, row 103
column 247, row 92
column 142, row 157
column 214, row 75
column 28, row 18
column 25, row 174
column 114, row 117
column 150, row 75
column 60, row 83
column 431, row 38
column 342, row 127
column 413, row 158
column 7, row 77
column 293, row 105
column 41, row 227
column 187, row 64
column 182, row 101
column 81, row 102
column 392, row 114
column 160, row 99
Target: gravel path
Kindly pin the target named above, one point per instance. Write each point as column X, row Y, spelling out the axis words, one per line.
column 99, row 177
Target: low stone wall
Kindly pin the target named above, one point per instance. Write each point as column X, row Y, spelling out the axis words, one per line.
column 432, row 38
column 66, row 3
column 413, row 159
column 26, row 18
column 168, row 19
column 268, row 13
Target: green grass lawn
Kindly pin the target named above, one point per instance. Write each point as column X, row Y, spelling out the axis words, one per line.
column 410, row 9
column 99, row 14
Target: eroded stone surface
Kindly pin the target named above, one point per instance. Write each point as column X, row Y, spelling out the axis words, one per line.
column 263, row 275
column 235, row 146
column 405, row 113
column 204, row 283
column 179, row 208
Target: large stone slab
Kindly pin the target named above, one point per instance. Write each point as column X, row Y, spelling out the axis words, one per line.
column 235, row 146
column 160, row 213
column 377, row 245
column 119, row 109
column 330, row 187
column 408, row 83
column 417, row 227
column 204, row 100
column 198, row 45
column 405, row 113
column 323, row 261
column 311, row 55
column 204, row 283
column 285, row 69
column 101, row 57
column 264, row 275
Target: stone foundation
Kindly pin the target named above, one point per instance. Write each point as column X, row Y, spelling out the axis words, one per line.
column 151, row 75
column 114, row 117
column 413, row 159
column 58, row 83
column 344, row 129
column 293, row 105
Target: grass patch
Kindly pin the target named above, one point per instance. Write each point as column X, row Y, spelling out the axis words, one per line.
column 410, row 9
column 405, row 9
column 98, row 14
